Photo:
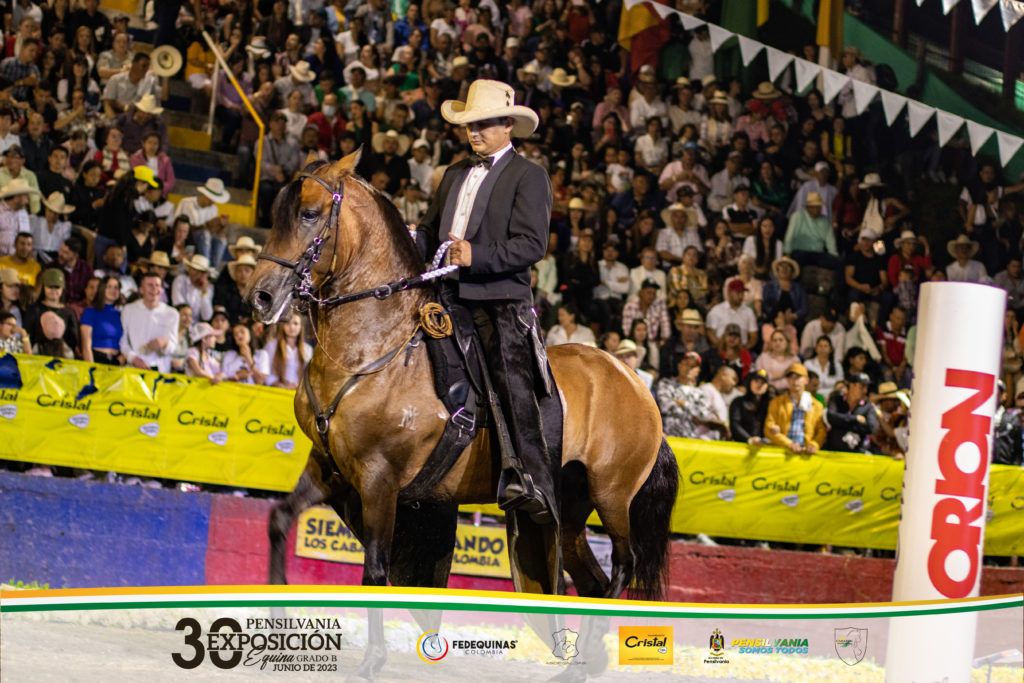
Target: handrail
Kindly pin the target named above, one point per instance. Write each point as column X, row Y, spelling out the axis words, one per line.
column 255, row 117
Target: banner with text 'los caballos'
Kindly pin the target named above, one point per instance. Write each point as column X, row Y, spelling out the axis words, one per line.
column 106, row 418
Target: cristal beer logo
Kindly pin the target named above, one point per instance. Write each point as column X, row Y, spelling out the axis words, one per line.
column 285, row 445
column 956, row 529
column 8, row 411
column 150, row 429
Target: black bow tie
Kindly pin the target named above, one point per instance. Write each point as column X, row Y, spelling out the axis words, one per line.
column 477, row 160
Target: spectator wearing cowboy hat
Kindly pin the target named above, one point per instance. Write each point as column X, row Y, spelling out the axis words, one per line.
column 207, row 224
column 733, row 311
column 299, row 77
column 892, row 407
column 819, row 184
column 128, row 87
column 14, row 197
column 810, row 239
column 200, row 360
column 795, row 420
column 13, row 169
column 193, row 287
column 389, row 156
column 142, row 119
column 683, row 221
column 911, row 250
column 631, row 355
column 229, row 293
column 52, row 228
column 963, row 269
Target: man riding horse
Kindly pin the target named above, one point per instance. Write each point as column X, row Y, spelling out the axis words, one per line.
column 495, row 208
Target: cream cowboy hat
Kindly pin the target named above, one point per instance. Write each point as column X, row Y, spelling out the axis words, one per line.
column 681, row 82
column 157, row 258
column 691, row 316
column 766, row 90
column 792, row 264
column 55, row 202
column 719, row 98
column 257, row 47
column 460, row 61
column 16, row 187
column 530, row 68
column 628, row 346
column 489, row 100
column 301, row 72
column 871, row 180
column 403, row 141
column 215, row 190
column 666, row 213
column 561, row 79
column 165, row 60
column 148, row 104
column 905, row 236
column 198, row 262
column 243, row 244
column 243, row 260
column 576, row 203
column 950, row 245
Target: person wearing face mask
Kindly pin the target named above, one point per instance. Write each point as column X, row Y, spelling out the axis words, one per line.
column 329, row 123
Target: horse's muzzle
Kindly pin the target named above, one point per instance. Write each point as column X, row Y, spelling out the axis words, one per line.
column 264, row 306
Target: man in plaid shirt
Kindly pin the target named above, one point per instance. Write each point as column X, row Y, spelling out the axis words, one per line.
column 21, row 70
column 647, row 306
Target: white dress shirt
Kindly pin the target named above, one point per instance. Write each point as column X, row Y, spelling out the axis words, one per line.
column 467, row 195
column 141, row 325
column 614, row 281
column 198, row 215
column 44, row 239
column 639, row 274
column 184, row 292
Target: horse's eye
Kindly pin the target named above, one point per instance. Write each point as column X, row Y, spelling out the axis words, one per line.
column 310, row 215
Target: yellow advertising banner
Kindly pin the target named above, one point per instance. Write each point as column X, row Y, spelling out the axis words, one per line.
column 479, row 550
column 106, row 418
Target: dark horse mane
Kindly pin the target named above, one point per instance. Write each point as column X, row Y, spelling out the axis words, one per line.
column 285, row 214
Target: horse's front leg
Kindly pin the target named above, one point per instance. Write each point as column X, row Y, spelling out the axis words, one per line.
column 380, row 501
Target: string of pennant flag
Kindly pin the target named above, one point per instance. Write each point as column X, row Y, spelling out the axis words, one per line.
column 1011, row 10
column 918, row 114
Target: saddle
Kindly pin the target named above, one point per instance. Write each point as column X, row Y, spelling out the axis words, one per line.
column 462, row 385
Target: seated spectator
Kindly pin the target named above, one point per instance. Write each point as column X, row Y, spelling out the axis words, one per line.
column 781, row 318
column 50, row 341
column 208, row 225
column 143, row 120
column 725, row 182
column 892, row 342
column 809, row 237
column 16, row 181
column 851, row 417
column 733, row 310
column 178, row 244
column 858, row 362
column 113, row 158
column 23, row 260
column 10, row 293
column 777, row 360
column 783, row 291
column 964, row 268
column 647, row 270
column 764, row 247
column 741, row 214
column 688, row 277
column 287, row 354
column 569, row 330
column 685, row 409
column 647, row 306
column 629, row 353
column 193, row 287
column 610, row 294
column 748, row 411
column 720, row 392
column 76, row 271
column 1011, row 281
column 126, row 88
column 912, row 251
column 579, row 273
column 892, row 407
column 200, row 361
column 679, row 232
column 687, row 336
column 753, row 296
column 151, row 153
column 729, row 352
column 52, row 229
column 817, row 186
column 101, row 325
column 150, row 328
column 825, row 324
column 13, row 338
column 113, row 265
column 88, row 196
column 53, row 178
column 722, row 251
column 823, row 362
column 52, row 300
column 142, row 239
column 243, row 362
column 281, row 159
column 651, row 148
column 864, row 270
column 684, row 175
column 794, row 420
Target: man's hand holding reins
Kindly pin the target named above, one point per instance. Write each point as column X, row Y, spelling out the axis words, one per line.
column 461, row 253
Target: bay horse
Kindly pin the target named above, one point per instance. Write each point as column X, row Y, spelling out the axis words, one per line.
column 336, row 240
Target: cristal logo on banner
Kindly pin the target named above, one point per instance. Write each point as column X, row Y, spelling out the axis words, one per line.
column 963, row 471
column 8, row 411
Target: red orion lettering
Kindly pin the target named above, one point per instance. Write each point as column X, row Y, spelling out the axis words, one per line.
column 963, row 426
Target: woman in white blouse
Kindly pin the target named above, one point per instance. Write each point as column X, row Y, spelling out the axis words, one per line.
column 286, row 355
column 824, row 363
column 293, row 112
column 568, row 331
column 243, row 365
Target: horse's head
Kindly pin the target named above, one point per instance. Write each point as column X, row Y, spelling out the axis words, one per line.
column 315, row 229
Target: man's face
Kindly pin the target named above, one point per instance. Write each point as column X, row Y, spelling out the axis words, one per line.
column 732, row 339
column 17, row 202
column 987, row 173
column 897, row 319
column 357, row 78
column 197, row 277
column 58, row 159
column 610, row 253
column 243, row 273
column 827, row 325
column 813, row 210
column 29, row 53
column 35, row 125
column 23, row 246
column 66, row 256
column 678, row 220
column 1013, row 268
column 647, row 295
column 14, row 163
column 797, row 383
column 413, row 13
column 734, row 296
column 855, row 392
column 640, row 184
column 727, row 380
column 488, row 136
column 138, row 69
column 649, row 260
column 151, row 288
column 277, row 127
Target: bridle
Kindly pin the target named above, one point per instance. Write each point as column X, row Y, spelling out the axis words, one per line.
column 302, row 267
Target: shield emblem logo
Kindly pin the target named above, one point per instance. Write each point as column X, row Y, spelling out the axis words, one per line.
column 851, row 644
column 565, row 644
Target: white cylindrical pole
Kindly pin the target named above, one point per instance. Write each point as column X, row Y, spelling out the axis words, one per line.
column 941, row 532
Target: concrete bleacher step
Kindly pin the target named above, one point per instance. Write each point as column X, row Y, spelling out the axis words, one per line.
column 223, row 165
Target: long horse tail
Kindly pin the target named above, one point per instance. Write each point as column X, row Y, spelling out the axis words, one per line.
column 649, row 515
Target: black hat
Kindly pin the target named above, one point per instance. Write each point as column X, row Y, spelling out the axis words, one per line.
column 650, row 283
column 858, row 378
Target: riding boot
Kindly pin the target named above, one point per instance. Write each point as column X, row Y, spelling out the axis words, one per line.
column 528, row 477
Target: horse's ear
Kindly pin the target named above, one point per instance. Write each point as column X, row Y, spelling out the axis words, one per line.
column 347, row 164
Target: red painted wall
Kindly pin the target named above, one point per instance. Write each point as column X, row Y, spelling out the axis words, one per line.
column 238, row 554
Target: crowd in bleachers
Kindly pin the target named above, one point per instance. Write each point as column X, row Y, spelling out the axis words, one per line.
column 754, row 253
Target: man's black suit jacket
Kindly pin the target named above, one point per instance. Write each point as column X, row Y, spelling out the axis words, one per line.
column 508, row 227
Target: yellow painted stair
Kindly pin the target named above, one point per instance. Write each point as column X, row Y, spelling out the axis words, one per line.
column 188, row 138
column 126, row 6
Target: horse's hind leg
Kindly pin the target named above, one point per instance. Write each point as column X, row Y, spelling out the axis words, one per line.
column 616, row 524
column 422, row 552
column 587, row 575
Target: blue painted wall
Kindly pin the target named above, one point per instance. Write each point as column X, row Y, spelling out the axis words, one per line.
column 72, row 534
